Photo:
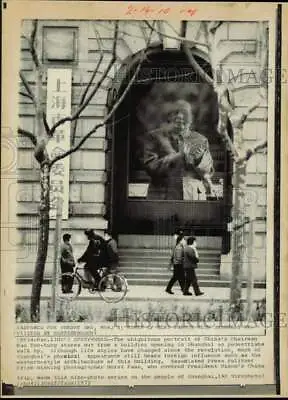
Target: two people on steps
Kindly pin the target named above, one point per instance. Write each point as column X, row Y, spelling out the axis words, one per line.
column 185, row 260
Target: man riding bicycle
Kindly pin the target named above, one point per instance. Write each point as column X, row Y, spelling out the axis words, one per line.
column 112, row 260
column 94, row 256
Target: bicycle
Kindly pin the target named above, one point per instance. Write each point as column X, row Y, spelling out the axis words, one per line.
column 112, row 287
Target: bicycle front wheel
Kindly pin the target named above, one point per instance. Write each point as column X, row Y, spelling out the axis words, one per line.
column 113, row 288
column 69, row 287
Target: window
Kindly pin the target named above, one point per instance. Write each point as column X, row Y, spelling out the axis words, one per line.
column 60, row 44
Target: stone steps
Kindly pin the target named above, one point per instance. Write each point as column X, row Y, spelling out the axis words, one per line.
column 163, row 264
column 164, row 256
column 163, row 242
column 149, row 266
column 202, row 283
column 163, row 270
column 151, row 281
column 164, row 276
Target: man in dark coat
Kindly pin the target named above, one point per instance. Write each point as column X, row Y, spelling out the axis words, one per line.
column 177, row 158
column 95, row 255
column 112, row 252
column 112, row 260
column 191, row 259
column 67, row 263
column 177, row 260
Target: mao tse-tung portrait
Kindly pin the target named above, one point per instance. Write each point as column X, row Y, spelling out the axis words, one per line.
column 173, row 152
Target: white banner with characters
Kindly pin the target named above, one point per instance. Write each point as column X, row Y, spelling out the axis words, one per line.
column 59, row 106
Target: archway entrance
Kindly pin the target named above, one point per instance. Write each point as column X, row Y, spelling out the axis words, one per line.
column 164, row 78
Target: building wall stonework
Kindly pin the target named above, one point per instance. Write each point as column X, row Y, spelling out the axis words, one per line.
column 238, row 50
column 240, row 58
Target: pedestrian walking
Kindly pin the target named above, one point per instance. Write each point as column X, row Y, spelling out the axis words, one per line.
column 191, row 259
column 67, row 263
column 177, row 261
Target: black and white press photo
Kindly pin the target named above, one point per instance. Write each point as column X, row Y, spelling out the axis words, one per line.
column 153, row 135
column 142, row 194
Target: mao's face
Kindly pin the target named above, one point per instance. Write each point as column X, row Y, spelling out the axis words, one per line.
column 180, row 122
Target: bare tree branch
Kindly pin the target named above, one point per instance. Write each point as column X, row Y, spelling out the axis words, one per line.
column 40, row 150
column 253, row 150
column 225, row 98
column 206, row 35
column 262, row 48
column 171, row 27
column 224, row 110
column 198, row 33
column 28, row 134
column 37, row 98
column 26, row 95
column 45, row 122
column 109, row 115
column 40, row 111
column 94, row 91
column 123, row 32
column 224, row 102
column 94, row 73
column 116, row 105
column 176, row 37
column 160, row 31
column 25, row 37
column 242, row 119
column 196, row 66
column 96, row 68
column 32, row 44
column 27, row 87
column 144, row 33
column 222, row 131
column 209, row 29
column 214, row 26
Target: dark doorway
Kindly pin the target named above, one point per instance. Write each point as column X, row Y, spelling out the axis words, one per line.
column 164, row 78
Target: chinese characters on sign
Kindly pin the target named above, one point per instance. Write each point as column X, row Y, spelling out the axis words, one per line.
column 59, row 106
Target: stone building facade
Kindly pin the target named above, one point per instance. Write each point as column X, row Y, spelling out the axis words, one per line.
column 240, row 54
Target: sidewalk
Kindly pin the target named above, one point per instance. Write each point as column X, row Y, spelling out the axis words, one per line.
column 140, row 303
column 153, row 293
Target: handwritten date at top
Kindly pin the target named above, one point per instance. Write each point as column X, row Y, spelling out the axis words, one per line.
column 149, row 11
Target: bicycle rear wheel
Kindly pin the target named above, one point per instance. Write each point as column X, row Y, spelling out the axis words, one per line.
column 69, row 287
column 113, row 288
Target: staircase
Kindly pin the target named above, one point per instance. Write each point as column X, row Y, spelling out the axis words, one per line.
column 145, row 263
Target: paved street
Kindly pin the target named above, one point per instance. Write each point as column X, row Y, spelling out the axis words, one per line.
column 139, row 301
column 148, row 293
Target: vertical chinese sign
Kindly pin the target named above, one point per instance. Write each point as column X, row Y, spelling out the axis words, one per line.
column 59, row 106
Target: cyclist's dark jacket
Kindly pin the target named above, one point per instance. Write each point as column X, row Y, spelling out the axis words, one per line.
column 95, row 254
column 112, row 252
